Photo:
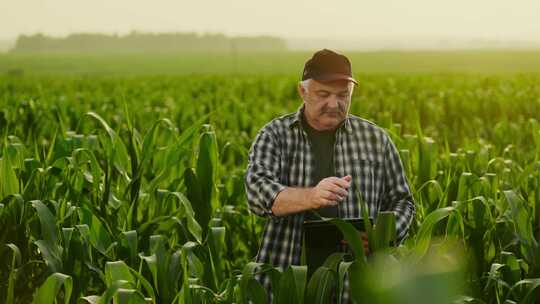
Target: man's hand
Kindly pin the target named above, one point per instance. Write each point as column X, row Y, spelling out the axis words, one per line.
column 329, row 192
column 364, row 238
column 365, row 241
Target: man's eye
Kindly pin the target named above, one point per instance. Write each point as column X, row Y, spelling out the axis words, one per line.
column 343, row 96
column 323, row 94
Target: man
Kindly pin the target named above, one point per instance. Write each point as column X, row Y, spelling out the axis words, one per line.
column 318, row 159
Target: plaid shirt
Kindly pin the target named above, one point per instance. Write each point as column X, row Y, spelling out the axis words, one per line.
column 281, row 157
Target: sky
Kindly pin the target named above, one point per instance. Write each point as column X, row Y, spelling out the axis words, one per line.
column 337, row 19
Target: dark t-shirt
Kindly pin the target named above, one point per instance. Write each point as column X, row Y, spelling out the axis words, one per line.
column 322, row 146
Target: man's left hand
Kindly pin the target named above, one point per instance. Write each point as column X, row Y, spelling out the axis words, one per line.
column 364, row 237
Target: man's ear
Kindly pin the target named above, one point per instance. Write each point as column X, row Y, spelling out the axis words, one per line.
column 301, row 90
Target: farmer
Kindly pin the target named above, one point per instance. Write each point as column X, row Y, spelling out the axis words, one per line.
column 319, row 158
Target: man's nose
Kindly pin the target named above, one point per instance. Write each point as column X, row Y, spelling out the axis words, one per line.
column 333, row 102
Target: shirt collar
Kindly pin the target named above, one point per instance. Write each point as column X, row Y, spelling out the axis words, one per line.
column 297, row 119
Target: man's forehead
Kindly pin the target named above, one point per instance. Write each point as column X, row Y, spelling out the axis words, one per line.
column 332, row 86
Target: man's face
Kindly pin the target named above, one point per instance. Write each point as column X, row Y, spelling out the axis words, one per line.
column 326, row 103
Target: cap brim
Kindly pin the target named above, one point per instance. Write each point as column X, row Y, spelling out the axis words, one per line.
column 334, row 77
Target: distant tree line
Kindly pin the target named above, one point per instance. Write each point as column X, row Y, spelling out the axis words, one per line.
column 143, row 42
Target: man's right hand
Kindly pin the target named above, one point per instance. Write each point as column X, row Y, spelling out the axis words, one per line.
column 329, row 191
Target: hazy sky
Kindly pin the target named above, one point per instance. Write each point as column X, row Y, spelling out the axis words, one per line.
column 463, row 19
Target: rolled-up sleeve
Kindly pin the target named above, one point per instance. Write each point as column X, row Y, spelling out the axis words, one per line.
column 262, row 174
column 397, row 196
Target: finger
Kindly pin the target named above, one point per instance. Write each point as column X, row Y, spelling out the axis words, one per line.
column 326, row 201
column 365, row 242
column 335, row 189
column 341, row 182
column 342, row 195
column 330, row 203
column 347, row 178
column 337, row 181
column 339, row 190
column 331, row 196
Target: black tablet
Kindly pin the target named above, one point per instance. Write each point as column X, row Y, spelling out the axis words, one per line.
column 322, row 238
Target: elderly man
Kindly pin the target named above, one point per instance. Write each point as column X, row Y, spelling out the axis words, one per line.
column 319, row 158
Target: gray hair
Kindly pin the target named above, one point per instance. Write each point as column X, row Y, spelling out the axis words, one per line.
column 305, row 83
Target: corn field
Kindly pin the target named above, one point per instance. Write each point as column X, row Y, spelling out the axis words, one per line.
column 130, row 189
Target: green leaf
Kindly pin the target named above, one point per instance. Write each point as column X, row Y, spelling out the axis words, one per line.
column 129, row 296
column 333, row 261
column 185, row 292
column 287, row 290
column 513, row 273
column 91, row 299
column 95, row 169
column 207, row 164
column 164, row 268
column 357, row 268
column 292, row 285
column 115, row 147
column 216, row 242
column 320, row 286
column 10, row 183
column 353, row 240
column 148, row 148
column 51, row 254
column 99, row 235
column 465, row 183
column 112, row 291
column 385, row 231
column 523, row 227
column 343, row 268
column 47, row 293
column 249, row 288
column 47, row 221
column 531, row 287
column 16, row 260
column 194, row 264
column 256, row 292
column 116, row 271
column 151, row 263
column 300, row 280
column 357, row 277
column 190, row 132
column 193, row 225
column 423, row 237
column 427, row 156
column 368, row 227
column 129, row 240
